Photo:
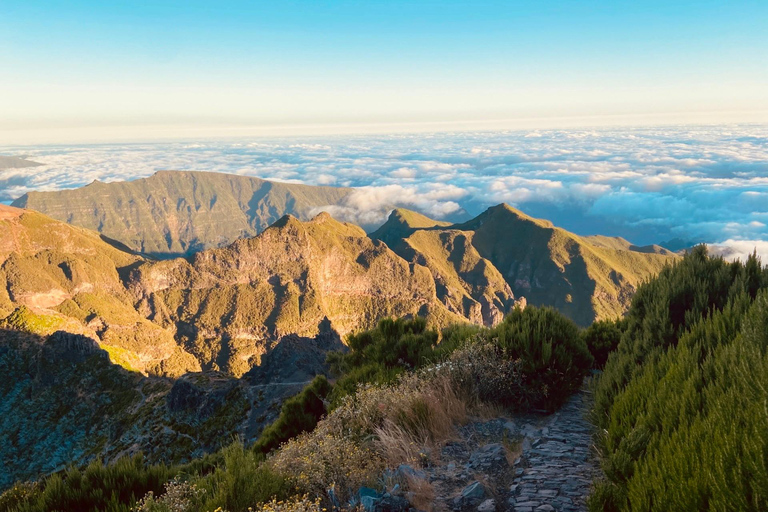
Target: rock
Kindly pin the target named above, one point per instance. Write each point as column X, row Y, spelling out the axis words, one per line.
column 389, row 503
column 372, row 501
column 474, row 491
column 73, row 348
column 489, row 457
column 470, row 496
column 488, row 505
column 545, row 508
column 405, row 471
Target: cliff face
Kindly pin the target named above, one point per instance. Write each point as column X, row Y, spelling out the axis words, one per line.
column 175, row 213
column 229, row 304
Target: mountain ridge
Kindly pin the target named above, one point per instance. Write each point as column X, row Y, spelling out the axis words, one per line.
column 177, row 213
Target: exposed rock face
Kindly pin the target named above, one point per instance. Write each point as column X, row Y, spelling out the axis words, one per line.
column 73, row 348
column 228, row 304
column 178, row 213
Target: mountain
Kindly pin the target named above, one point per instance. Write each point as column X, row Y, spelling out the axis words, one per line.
column 586, row 278
column 175, row 213
column 106, row 352
column 56, row 276
column 229, row 304
column 15, row 162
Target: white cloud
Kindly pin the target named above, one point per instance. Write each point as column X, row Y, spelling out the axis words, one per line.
column 733, row 250
column 649, row 184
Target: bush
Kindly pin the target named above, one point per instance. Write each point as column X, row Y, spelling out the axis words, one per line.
column 298, row 414
column 602, row 338
column 116, row 487
column 553, row 358
column 681, row 403
column 241, row 482
column 379, row 355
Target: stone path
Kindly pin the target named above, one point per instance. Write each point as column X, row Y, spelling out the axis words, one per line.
column 523, row 464
column 557, row 468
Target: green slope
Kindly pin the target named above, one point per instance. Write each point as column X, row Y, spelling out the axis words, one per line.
column 57, row 276
column 586, row 278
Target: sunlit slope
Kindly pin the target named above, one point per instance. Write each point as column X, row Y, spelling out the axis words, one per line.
column 181, row 212
column 229, row 303
column 586, row 278
column 61, row 277
column 465, row 282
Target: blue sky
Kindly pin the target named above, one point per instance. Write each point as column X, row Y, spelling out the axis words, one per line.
column 142, row 70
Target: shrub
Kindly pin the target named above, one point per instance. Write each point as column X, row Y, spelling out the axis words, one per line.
column 553, row 358
column 602, row 338
column 98, row 487
column 295, row 504
column 242, row 481
column 681, row 403
column 298, row 414
column 379, row 355
column 179, row 496
column 313, row 464
column 482, row 374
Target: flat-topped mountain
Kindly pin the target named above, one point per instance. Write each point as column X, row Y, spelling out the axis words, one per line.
column 174, row 213
column 15, row 162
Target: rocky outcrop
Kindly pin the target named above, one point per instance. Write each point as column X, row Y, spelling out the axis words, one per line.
column 229, row 305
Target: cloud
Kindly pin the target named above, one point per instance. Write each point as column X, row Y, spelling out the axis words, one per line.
column 733, row 250
column 646, row 184
column 370, row 206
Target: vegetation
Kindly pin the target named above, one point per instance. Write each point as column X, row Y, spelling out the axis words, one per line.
column 602, row 338
column 552, row 356
column 681, row 403
column 402, row 405
column 381, row 354
column 98, row 487
column 298, row 414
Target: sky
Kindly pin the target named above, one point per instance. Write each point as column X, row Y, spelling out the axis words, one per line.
column 648, row 185
column 91, row 71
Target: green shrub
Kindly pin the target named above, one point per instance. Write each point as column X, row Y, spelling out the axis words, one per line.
column 681, row 403
column 602, row 338
column 553, row 358
column 241, row 482
column 115, row 487
column 379, row 355
column 298, row 414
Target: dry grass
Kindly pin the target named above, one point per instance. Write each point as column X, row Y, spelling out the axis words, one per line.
column 421, row 493
column 413, row 431
column 513, row 448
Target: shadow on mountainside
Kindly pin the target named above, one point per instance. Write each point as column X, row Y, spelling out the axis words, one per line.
column 64, row 403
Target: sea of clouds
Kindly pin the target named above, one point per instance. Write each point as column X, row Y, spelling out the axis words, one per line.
column 649, row 185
